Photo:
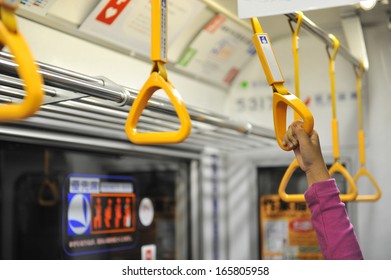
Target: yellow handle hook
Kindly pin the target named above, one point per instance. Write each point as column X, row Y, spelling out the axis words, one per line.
column 294, row 164
column 282, row 98
column 363, row 172
column 27, row 69
column 158, row 80
column 154, row 83
column 337, row 167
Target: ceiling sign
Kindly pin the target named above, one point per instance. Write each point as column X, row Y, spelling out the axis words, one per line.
column 259, row 8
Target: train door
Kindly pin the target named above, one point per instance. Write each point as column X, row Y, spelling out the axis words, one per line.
column 62, row 203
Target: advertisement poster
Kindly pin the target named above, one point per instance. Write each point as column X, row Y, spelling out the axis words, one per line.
column 128, row 23
column 218, row 53
column 99, row 214
column 286, row 230
column 40, row 7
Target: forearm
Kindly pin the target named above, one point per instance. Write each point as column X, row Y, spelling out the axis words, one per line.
column 336, row 235
column 317, row 173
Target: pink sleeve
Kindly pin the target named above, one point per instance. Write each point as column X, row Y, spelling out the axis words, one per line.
column 336, row 235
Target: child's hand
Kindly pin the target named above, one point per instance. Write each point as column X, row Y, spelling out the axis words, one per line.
column 307, row 151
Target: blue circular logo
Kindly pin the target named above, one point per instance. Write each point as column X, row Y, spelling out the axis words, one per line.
column 79, row 214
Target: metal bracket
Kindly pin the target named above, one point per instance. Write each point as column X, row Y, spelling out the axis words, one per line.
column 109, row 84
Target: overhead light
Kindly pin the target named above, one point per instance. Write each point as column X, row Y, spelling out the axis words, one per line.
column 368, row 4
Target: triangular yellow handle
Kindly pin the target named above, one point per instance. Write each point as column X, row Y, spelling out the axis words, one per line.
column 51, row 186
column 155, row 82
column 352, row 192
column 280, row 104
column 362, row 172
column 284, row 182
column 27, row 70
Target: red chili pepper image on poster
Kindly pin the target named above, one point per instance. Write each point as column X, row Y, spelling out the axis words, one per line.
column 112, row 10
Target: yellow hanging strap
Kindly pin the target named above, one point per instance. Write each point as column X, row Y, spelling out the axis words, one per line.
column 361, row 143
column 48, row 186
column 337, row 167
column 294, row 164
column 158, row 80
column 27, row 69
column 282, row 98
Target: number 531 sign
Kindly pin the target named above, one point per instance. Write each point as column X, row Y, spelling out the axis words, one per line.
column 259, row 8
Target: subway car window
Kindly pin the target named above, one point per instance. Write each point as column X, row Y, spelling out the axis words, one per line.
column 59, row 203
column 285, row 228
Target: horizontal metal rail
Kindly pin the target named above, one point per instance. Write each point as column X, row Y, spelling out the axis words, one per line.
column 310, row 26
column 102, row 88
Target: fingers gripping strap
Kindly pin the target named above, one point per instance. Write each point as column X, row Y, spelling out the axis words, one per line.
column 352, row 189
column 28, row 72
column 284, row 182
column 280, row 104
column 154, row 83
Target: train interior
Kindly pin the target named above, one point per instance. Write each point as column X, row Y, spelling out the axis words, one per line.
column 74, row 186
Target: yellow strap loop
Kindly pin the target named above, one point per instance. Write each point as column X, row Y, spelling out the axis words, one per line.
column 294, row 164
column 359, row 74
column 8, row 18
column 47, row 186
column 362, row 172
column 282, row 98
column 295, row 50
column 155, row 82
column 374, row 197
column 352, row 192
column 334, row 123
column 332, row 72
column 158, row 80
column 284, row 183
column 361, row 142
column 337, row 167
column 27, row 69
column 257, row 28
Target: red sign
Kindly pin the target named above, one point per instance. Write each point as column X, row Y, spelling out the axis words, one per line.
column 215, row 24
column 113, row 213
column 112, row 10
